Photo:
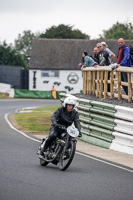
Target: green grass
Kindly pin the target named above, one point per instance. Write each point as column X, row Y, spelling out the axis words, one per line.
column 37, row 121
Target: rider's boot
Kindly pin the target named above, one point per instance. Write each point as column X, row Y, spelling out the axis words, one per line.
column 43, row 149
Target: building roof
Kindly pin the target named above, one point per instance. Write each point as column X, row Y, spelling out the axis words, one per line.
column 59, row 54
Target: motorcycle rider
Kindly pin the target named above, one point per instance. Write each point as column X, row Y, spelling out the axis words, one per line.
column 63, row 116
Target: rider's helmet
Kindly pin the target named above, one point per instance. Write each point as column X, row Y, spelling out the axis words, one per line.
column 69, row 101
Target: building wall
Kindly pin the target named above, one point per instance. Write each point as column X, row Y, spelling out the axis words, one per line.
column 70, row 81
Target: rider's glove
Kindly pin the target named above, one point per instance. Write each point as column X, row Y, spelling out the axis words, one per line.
column 59, row 126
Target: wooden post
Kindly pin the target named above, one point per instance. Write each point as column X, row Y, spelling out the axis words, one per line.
column 87, row 80
column 90, row 82
column 112, row 85
column 105, row 84
column 129, row 88
column 98, row 85
column 101, row 85
column 93, row 82
column 84, row 82
column 119, row 85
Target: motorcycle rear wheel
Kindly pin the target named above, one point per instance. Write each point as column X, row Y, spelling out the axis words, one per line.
column 64, row 163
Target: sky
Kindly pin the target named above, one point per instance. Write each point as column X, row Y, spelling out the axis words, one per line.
column 89, row 16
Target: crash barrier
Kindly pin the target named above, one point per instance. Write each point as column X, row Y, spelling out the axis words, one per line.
column 96, row 81
column 22, row 93
column 105, row 125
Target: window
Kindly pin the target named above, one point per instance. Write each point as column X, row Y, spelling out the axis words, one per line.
column 50, row 73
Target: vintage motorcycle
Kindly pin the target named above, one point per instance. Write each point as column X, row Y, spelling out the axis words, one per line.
column 62, row 150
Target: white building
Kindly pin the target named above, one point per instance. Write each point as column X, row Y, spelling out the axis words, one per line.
column 55, row 62
column 70, row 81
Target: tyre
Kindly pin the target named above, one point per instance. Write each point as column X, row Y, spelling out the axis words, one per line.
column 65, row 160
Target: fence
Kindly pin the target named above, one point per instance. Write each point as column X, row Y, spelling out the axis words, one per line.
column 105, row 125
column 15, row 76
column 95, row 81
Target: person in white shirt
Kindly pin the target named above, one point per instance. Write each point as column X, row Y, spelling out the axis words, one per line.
column 111, row 54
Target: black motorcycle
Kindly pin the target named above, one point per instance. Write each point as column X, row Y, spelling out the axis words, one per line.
column 62, row 150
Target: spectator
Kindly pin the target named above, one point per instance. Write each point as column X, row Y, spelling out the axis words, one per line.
column 53, row 92
column 103, row 56
column 123, row 59
column 111, row 54
column 95, row 57
column 103, row 59
column 87, row 61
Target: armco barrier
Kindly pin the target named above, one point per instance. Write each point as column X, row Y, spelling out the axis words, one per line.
column 105, row 125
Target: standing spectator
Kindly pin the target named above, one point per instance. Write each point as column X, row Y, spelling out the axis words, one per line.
column 111, row 54
column 103, row 59
column 53, row 92
column 87, row 61
column 123, row 59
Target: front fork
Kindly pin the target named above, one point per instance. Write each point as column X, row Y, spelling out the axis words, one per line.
column 66, row 143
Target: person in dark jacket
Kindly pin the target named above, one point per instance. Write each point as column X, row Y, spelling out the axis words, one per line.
column 103, row 56
column 95, row 51
column 63, row 116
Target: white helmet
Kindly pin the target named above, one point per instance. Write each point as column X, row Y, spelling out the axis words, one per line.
column 69, row 101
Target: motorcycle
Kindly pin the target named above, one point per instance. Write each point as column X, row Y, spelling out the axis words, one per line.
column 62, row 150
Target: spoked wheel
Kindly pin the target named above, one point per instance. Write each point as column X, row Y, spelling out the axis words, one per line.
column 66, row 159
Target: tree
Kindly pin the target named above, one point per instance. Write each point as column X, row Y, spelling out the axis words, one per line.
column 64, row 32
column 119, row 30
column 10, row 56
column 23, row 44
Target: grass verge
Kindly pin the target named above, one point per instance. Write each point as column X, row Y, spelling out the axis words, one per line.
column 4, row 95
column 36, row 121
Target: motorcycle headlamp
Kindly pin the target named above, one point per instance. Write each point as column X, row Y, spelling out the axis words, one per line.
column 72, row 131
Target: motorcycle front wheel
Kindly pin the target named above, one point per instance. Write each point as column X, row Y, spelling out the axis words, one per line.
column 43, row 162
column 67, row 157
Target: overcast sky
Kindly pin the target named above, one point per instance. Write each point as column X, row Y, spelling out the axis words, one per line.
column 89, row 16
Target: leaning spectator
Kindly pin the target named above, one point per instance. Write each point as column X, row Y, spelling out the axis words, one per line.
column 87, row 61
column 95, row 56
column 103, row 56
column 111, row 54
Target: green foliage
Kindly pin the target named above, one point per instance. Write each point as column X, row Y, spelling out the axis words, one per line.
column 23, row 44
column 119, row 30
column 10, row 56
column 64, row 32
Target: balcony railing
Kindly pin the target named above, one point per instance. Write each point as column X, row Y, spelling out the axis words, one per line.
column 96, row 81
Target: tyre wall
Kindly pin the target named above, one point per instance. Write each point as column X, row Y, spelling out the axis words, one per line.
column 105, row 125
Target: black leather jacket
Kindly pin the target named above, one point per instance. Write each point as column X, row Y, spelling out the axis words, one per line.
column 61, row 116
column 103, row 58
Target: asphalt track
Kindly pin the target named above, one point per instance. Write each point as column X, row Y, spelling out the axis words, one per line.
column 21, row 176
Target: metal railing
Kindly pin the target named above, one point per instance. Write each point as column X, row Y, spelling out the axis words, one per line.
column 96, row 81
